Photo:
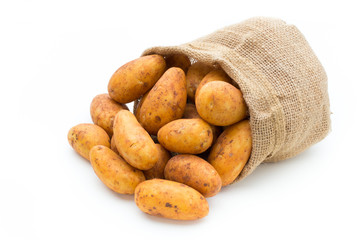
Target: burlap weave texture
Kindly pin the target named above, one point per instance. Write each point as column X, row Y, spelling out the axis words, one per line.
column 282, row 81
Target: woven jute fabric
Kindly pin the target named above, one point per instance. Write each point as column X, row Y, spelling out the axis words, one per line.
column 282, row 81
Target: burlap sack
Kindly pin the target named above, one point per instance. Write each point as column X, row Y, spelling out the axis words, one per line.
column 283, row 83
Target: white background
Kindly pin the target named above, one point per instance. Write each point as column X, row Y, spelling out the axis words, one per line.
column 55, row 56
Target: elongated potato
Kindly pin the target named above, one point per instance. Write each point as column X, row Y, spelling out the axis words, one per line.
column 135, row 78
column 231, row 151
column 170, row 199
column 214, row 75
column 84, row 136
column 194, row 75
column 103, row 110
column 133, row 142
column 158, row 170
column 113, row 171
column 165, row 102
column 194, row 172
column 178, row 60
column 220, row 103
column 186, row 136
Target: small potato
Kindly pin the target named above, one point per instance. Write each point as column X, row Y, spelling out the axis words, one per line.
column 220, row 103
column 135, row 78
column 84, row 136
column 170, row 199
column 231, row 151
column 190, row 111
column 164, row 103
column 194, row 75
column 215, row 75
column 158, row 170
column 191, row 136
column 194, row 172
column 103, row 110
column 178, row 60
column 113, row 171
column 133, row 142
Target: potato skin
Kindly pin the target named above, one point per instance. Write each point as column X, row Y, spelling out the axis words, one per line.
column 231, row 151
column 220, row 103
column 114, row 171
column 214, row 75
column 170, row 199
column 194, row 172
column 83, row 137
column 103, row 110
column 158, row 170
column 178, row 60
column 133, row 142
column 135, row 78
column 191, row 136
column 194, row 75
column 165, row 102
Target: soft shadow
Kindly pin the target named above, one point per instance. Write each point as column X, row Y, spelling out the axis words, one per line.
column 268, row 170
column 173, row 221
column 127, row 197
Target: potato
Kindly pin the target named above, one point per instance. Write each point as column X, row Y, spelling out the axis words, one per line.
column 178, row 60
column 158, row 170
column 215, row 75
column 165, row 102
column 194, row 172
column 113, row 171
column 194, row 75
column 190, row 112
column 220, row 103
column 135, row 78
column 231, row 151
column 84, row 136
column 186, row 136
column 133, row 142
column 113, row 145
column 103, row 110
column 170, row 199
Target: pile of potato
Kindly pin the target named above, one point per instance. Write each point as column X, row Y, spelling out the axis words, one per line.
column 171, row 153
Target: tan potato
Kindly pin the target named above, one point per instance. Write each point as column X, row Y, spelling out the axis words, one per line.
column 158, row 170
column 165, row 102
column 194, row 172
column 133, row 142
column 231, row 151
column 113, row 145
column 135, row 78
column 170, row 199
column 215, row 75
column 178, row 60
column 113, row 171
column 84, row 136
column 190, row 112
column 103, row 110
column 194, row 75
column 191, row 136
column 220, row 103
